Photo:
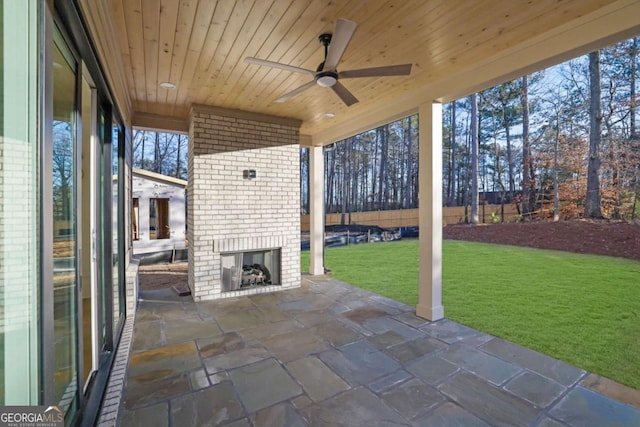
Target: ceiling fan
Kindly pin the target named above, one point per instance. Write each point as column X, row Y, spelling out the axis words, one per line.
column 327, row 74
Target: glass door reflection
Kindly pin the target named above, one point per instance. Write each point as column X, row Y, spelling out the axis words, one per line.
column 65, row 238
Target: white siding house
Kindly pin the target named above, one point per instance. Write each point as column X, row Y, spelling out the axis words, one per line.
column 159, row 212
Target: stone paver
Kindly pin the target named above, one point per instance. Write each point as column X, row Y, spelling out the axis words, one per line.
column 155, row 415
column 549, row 367
column 239, row 319
column 281, row 415
column 164, row 361
column 318, row 381
column 331, row 354
column 585, row 408
column 140, row 393
column 262, row 384
column 148, row 335
column 481, row 364
column 412, row 398
column 359, row 362
column 411, row 350
column 389, row 381
column 450, row 415
column 448, row 331
column 358, row 407
column 383, row 324
column 432, row 369
column 220, row 344
column 189, row 329
column 210, row 406
column 550, row 422
column 489, row 403
column 234, row 359
column 386, row 339
column 294, row 345
column 612, row 389
column 535, row 388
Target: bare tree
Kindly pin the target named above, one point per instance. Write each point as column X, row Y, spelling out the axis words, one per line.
column 633, row 101
column 592, row 206
column 452, row 165
column 527, row 164
column 474, row 159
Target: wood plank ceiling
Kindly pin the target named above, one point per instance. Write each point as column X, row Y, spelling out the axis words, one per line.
column 199, row 45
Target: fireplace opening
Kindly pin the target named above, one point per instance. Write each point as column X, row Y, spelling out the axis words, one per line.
column 250, row 269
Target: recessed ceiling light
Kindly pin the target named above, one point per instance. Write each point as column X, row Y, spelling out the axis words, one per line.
column 167, row 85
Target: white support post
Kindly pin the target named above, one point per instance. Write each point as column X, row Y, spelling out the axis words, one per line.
column 316, row 214
column 430, row 212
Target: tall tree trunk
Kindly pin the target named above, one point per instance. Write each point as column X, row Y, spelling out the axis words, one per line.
column 345, row 180
column 384, row 151
column 556, row 191
column 592, row 206
column 178, row 156
column 408, row 184
column 632, row 83
column 507, row 132
column 156, row 154
column 142, row 152
column 474, row 159
column 452, row 167
column 374, row 172
column 465, row 179
column 527, row 181
column 330, row 177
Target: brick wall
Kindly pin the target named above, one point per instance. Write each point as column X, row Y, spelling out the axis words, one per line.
column 224, row 207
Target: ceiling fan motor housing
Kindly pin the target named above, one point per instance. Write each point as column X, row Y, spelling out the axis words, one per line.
column 326, row 78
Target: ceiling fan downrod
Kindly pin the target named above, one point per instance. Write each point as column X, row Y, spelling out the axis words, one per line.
column 325, row 78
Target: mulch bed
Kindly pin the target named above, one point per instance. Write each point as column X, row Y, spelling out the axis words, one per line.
column 606, row 237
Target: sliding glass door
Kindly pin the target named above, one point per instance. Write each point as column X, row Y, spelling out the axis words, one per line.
column 64, row 187
column 81, row 184
column 61, row 213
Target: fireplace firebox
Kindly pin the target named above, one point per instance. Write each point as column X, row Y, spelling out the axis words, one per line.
column 250, row 269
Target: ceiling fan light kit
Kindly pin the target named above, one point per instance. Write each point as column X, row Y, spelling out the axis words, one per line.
column 327, row 74
column 326, row 79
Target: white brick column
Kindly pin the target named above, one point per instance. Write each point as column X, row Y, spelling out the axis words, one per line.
column 316, row 214
column 430, row 211
column 229, row 212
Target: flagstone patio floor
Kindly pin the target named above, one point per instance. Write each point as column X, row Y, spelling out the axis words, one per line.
column 330, row 354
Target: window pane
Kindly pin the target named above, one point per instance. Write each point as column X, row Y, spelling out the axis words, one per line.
column 65, row 297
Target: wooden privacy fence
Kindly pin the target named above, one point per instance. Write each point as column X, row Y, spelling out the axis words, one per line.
column 409, row 217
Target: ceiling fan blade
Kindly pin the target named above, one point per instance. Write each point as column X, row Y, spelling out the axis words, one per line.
column 391, row 70
column 272, row 64
column 344, row 94
column 339, row 41
column 294, row 92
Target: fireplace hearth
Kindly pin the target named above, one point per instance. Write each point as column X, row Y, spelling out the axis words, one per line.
column 249, row 269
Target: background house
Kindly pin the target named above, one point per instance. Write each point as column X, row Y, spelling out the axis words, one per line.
column 158, row 217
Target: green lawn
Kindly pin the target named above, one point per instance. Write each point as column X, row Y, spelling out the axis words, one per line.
column 582, row 309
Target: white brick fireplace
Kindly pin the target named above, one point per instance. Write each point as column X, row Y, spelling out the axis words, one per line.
column 233, row 216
